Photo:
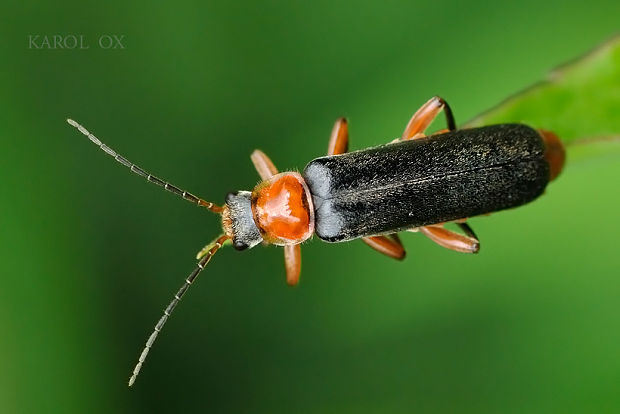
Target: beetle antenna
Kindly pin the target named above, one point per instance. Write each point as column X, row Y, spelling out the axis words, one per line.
column 175, row 301
column 149, row 177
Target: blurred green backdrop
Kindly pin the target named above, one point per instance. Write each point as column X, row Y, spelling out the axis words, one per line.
column 91, row 254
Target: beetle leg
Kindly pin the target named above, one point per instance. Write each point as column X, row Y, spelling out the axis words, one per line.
column 468, row 230
column 203, row 252
column 452, row 240
column 389, row 245
column 263, row 165
column 292, row 262
column 425, row 116
column 339, row 139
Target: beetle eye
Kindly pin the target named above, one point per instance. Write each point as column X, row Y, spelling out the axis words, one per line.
column 231, row 196
column 239, row 245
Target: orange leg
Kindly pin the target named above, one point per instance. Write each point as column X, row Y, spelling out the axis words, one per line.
column 338, row 144
column 425, row 116
column 292, row 262
column 263, row 165
column 452, row 240
column 389, row 245
column 292, row 253
column 339, row 139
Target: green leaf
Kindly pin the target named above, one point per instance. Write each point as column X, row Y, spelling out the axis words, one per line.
column 579, row 101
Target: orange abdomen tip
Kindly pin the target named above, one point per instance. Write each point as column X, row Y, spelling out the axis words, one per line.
column 282, row 208
column 555, row 154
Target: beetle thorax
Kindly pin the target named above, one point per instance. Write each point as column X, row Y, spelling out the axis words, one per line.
column 282, row 209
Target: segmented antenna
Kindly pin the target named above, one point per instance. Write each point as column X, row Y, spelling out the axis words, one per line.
column 149, row 177
column 190, row 279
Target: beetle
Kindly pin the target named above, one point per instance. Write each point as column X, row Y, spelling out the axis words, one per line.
column 415, row 183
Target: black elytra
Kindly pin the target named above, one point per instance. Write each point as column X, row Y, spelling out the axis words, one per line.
column 424, row 181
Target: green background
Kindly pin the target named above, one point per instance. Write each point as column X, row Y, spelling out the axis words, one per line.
column 91, row 254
